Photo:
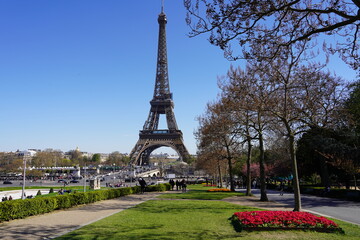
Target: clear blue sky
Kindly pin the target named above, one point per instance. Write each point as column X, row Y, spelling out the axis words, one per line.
column 82, row 72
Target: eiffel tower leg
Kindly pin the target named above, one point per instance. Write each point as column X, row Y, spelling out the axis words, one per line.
column 170, row 118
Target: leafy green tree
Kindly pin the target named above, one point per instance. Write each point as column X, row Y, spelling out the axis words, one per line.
column 118, row 159
column 10, row 162
column 96, row 158
column 352, row 106
column 330, row 152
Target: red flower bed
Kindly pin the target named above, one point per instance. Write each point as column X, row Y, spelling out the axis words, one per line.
column 284, row 220
column 219, row 190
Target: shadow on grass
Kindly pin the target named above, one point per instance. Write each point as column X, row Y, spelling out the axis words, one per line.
column 131, row 234
column 177, row 206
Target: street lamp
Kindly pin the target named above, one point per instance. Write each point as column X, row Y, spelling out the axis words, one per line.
column 114, row 173
column 85, row 178
column 24, row 176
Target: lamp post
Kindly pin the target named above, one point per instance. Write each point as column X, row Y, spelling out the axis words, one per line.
column 24, row 176
column 113, row 173
column 85, row 178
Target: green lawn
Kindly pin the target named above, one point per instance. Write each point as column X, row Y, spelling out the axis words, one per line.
column 188, row 219
column 200, row 194
column 43, row 187
column 19, row 188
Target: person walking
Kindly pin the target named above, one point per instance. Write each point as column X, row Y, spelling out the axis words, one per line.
column 183, row 185
column 177, row 183
column 172, row 184
column 282, row 186
column 142, row 185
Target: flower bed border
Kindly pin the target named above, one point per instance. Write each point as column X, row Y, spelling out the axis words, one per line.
column 240, row 227
column 219, row 190
column 323, row 230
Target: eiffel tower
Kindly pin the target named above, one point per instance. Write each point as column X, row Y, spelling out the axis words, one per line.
column 151, row 138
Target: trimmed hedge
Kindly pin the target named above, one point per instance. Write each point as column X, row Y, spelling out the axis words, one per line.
column 16, row 209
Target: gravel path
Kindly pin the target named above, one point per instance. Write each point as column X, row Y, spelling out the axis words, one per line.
column 54, row 224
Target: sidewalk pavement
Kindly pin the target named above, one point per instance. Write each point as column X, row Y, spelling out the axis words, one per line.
column 16, row 194
column 54, row 224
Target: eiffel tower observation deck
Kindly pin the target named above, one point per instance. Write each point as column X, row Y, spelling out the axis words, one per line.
column 151, row 137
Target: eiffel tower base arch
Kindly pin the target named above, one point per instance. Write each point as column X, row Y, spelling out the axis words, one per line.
column 147, row 143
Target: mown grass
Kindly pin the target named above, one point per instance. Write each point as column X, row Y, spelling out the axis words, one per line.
column 19, row 188
column 79, row 188
column 199, row 192
column 190, row 219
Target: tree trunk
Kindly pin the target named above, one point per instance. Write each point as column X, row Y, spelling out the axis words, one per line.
column 325, row 179
column 229, row 158
column 296, row 184
column 263, row 196
column 220, row 175
column 248, row 170
column 355, row 183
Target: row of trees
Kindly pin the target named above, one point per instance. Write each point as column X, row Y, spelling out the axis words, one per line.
column 11, row 162
column 280, row 94
column 265, row 103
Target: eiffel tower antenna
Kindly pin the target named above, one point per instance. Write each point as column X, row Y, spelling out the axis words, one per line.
column 162, row 6
column 151, row 137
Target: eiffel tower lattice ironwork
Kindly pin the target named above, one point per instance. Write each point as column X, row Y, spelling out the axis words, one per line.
column 151, row 138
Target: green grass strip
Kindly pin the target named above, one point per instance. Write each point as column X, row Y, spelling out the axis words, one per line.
column 199, row 192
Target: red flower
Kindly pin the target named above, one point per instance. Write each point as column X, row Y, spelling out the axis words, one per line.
column 282, row 219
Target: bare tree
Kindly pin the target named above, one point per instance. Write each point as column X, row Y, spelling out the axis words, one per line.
column 47, row 158
column 277, row 23
column 210, row 160
column 218, row 128
column 248, row 96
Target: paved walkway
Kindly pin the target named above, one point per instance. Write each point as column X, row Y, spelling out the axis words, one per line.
column 54, row 224
column 16, row 194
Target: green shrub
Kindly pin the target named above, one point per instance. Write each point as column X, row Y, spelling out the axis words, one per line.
column 62, row 202
column 38, row 193
column 51, row 190
column 16, row 209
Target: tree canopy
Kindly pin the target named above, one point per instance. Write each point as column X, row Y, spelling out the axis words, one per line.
column 279, row 24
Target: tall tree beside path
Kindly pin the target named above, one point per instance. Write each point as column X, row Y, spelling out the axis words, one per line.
column 247, row 97
column 239, row 24
column 218, row 131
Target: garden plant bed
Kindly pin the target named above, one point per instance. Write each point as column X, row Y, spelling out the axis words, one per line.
column 219, row 190
column 282, row 220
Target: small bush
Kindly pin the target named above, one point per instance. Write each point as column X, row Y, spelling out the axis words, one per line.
column 38, row 193
column 51, row 190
